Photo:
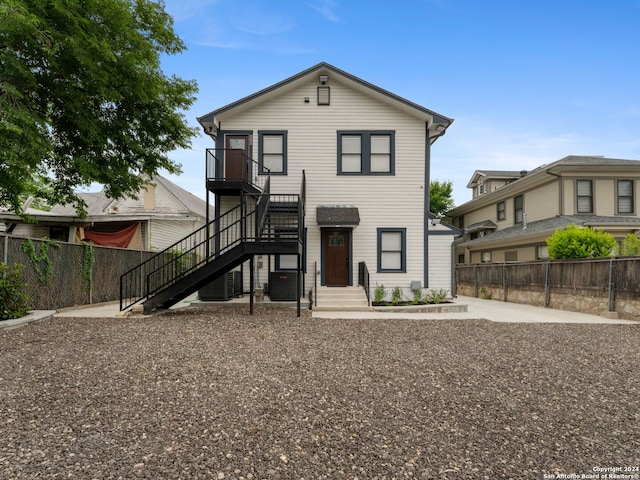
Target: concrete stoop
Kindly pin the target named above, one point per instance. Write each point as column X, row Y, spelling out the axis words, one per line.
column 343, row 299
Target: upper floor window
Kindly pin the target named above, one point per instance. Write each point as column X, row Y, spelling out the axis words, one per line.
column 482, row 189
column 272, row 152
column 625, row 196
column 501, row 212
column 518, row 208
column 392, row 250
column 366, row 152
column 584, row 196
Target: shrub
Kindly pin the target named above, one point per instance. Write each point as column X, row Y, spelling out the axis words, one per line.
column 14, row 302
column 575, row 242
column 396, row 296
column 437, row 296
column 485, row 294
column 379, row 293
column 417, row 296
column 630, row 246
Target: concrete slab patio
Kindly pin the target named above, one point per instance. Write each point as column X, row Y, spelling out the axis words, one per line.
column 492, row 310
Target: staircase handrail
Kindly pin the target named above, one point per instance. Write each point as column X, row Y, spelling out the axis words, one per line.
column 174, row 262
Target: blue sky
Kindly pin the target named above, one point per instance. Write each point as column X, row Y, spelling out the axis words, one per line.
column 527, row 82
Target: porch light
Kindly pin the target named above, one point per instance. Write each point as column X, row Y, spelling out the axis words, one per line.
column 324, row 79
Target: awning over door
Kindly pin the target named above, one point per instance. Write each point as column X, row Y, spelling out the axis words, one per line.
column 337, row 216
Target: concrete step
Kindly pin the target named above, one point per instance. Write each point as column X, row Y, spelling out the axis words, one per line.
column 347, row 299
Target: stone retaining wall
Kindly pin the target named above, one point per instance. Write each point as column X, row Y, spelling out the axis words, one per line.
column 595, row 302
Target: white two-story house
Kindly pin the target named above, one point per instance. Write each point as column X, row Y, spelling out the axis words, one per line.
column 338, row 166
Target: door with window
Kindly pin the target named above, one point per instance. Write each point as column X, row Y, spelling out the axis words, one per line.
column 336, row 257
column 236, row 163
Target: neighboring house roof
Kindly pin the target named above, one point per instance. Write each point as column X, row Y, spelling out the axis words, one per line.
column 549, row 225
column 485, row 225
column 439, row 123
column 97, row 204
column 479, row 175
column 101, row 208
column 572, row 163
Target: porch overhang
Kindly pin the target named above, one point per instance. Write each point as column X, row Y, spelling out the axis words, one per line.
column 337, row 216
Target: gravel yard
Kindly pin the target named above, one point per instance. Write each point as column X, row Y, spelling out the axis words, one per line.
column 212, row 392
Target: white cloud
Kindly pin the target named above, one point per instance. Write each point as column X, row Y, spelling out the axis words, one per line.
column 327, row 8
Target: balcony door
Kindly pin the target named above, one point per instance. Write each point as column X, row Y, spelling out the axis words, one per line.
column 236, row 163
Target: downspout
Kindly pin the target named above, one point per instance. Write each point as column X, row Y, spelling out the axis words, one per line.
column 427, row 206
column 560, row 192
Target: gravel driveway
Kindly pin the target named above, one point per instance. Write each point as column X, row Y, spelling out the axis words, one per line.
column 211, row 392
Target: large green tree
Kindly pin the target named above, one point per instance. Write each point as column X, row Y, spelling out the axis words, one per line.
column 83, row 98
column 440, row 197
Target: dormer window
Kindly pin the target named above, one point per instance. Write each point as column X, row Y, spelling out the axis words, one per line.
column 482, row 189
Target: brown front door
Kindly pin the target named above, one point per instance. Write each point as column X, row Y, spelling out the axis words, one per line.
column 336, row 258
column 236, row 164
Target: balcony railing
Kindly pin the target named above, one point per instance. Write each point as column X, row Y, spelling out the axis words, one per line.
column 234, row 166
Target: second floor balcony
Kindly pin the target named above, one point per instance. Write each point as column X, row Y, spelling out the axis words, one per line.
column 232, row 172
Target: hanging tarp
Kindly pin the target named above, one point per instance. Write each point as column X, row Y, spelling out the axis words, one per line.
column 123, row 238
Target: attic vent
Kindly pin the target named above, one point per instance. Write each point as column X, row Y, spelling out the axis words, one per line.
column 324, row 95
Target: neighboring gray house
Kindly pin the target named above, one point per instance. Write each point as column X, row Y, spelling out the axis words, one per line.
column 510, row 221
column 162, row 214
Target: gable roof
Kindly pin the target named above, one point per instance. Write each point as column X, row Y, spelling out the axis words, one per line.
column 99, row 206
column 541, row 174
column 494, row 175
column 211, row 121
column 549, row 225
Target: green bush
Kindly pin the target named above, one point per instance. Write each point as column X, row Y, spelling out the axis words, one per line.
column 437, row 296
column 396, row 296
column 379, row 293
column 14, row 302
column 630, row 246
column 575, row 242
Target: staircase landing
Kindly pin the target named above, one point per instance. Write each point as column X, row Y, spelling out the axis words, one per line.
column 342, row 299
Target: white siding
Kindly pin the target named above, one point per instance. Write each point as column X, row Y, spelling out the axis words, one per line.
column 440, row 262
column 30, row 230
column 165, row 233
column 383, row 201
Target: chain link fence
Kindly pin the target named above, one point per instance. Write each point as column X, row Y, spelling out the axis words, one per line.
column 60, row 274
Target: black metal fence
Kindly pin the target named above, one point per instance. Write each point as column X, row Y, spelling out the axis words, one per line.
column 60, row 274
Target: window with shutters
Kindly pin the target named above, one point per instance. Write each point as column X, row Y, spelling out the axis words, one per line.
column 584, row 196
